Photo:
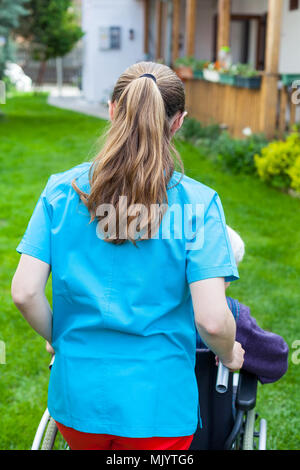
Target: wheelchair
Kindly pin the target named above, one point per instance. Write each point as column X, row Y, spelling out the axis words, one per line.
column 229, row 419
column 227, row 408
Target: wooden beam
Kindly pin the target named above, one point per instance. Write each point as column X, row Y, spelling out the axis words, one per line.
column 191, row 6
column 293, row 108
column 146, row 25
column 224, row 13
column 158, row 36
column 273, row 36
column 269, row 92
column 175, row 31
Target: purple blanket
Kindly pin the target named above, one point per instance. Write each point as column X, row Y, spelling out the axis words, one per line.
column 266, row 353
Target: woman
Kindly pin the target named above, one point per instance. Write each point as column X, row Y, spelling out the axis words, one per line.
column 128, row 284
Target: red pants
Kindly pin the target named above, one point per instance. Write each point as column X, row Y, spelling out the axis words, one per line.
column 84, row 441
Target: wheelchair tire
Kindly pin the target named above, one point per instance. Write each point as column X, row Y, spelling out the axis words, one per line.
column 50, row 435
column 249, row 431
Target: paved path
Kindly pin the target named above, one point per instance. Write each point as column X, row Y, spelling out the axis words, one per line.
column 71, row 98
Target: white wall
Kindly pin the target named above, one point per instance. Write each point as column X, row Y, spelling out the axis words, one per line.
column 101, row 69
column 289, row 61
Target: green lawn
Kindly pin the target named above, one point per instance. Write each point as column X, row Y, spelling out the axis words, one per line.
column 37, row 140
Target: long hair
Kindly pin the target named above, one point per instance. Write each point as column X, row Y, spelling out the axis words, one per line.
column 138, row 159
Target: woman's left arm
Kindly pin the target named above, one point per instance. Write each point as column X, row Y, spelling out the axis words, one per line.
column 28, row 294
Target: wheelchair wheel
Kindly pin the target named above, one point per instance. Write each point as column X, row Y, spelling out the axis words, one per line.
column 248, row 434
column 50, row 435
column 47, row 436
column 249, row 431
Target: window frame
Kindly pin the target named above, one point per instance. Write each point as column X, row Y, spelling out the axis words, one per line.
column 293, row 5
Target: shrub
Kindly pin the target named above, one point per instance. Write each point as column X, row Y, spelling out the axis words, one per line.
column 9, row 85
column 294, row 174
column 193, row 131
column 276, row 162
column 237, row 155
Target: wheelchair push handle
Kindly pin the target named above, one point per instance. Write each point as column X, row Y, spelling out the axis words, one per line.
column 222, row 378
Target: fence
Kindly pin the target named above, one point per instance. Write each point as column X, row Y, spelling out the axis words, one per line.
column 238, row 108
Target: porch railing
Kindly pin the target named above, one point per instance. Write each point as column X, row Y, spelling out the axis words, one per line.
column 238, row 109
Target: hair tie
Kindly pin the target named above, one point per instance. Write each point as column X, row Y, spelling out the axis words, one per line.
column 148, row 75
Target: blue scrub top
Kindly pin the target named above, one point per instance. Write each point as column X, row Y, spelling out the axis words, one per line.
column 123, row 325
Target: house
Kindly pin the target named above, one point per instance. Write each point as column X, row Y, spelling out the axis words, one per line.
column 113, row 40
column 264, row 33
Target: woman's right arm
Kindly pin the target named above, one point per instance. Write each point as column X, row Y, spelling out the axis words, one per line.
column 215, row 322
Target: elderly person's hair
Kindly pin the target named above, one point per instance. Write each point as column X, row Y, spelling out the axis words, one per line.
column 238, row 246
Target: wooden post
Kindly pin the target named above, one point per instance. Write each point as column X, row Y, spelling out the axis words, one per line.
column 158, row 36
column 224, row 14
column 146, row 25
column 269, row 91
column 175, row 32
column 293, row 108
column 190, row 26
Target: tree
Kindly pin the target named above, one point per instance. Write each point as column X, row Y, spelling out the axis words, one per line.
column 52, row 30
column 10, row 12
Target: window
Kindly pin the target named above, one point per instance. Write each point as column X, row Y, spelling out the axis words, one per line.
column 294, row 4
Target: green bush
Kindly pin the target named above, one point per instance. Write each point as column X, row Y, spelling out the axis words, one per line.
column 193, row 131
column 237, row 155
column 278, row 163
column 9, row 86
column 294, row 174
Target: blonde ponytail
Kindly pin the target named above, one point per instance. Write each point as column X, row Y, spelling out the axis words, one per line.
column 137, row 159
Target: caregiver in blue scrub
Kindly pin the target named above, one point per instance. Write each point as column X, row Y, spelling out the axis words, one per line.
column 130, row 278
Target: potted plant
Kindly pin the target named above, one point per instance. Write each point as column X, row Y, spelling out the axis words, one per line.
column 183, row 66
column 198, row 68
column 211, row 72
column 228, row 76
column 247, row 77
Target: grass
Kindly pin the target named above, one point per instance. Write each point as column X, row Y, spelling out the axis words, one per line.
column 37, row 140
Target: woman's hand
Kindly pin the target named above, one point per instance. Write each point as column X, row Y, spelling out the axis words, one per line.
column 49, row 348
column 237, row 361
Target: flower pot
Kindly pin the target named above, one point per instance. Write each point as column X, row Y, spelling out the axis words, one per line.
column 248, row 82
column 184, row 72
column 211, row 75
column 198, row 74
column 227, row 79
